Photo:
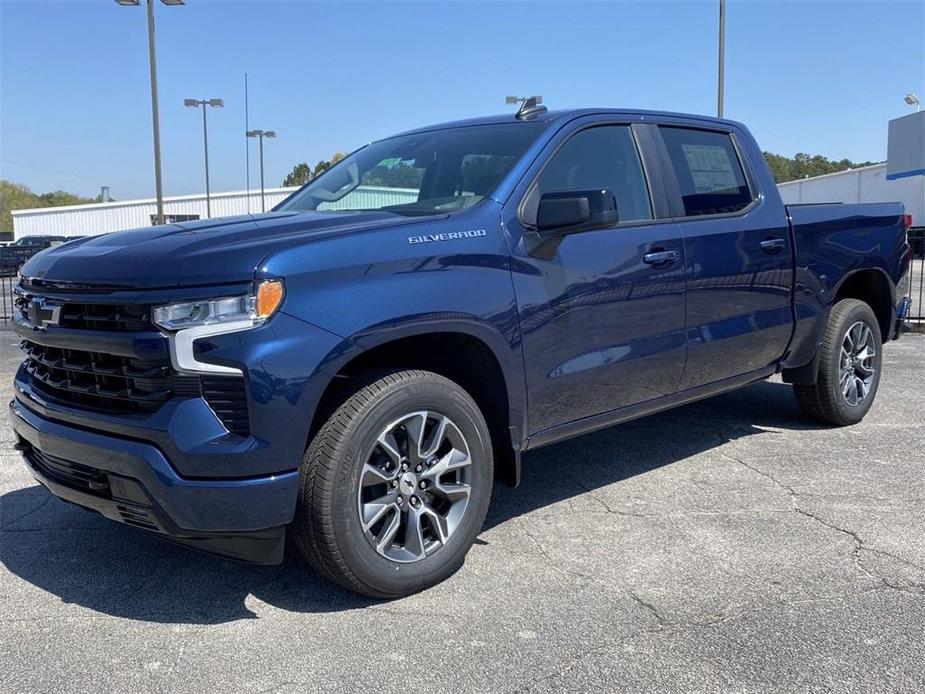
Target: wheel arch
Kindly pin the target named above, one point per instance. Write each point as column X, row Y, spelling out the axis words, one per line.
column 480, row 360
column 872, row 286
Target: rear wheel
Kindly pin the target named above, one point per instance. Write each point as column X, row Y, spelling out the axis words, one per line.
column 850, row 361
column 395, row 486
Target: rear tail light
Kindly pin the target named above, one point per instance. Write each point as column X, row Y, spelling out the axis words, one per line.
column 907, row 222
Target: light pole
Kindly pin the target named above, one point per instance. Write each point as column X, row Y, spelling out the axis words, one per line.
column 152, row 61
column 913, row 100
column 214, row 103
column 260, row 134
column 720, row 84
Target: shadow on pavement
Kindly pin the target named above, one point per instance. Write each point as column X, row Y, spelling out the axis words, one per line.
column 85, row 559
column 563, row 470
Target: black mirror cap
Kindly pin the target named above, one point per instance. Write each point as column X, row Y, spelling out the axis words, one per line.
column 572, row 211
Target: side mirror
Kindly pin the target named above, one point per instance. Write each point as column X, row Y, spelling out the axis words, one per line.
column 572, row 211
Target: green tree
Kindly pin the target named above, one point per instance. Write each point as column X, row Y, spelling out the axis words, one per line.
column 303, row 173
column 58, row 198
column 299, row 176
column 803, row 165
column 398, row 175
column 14, row 196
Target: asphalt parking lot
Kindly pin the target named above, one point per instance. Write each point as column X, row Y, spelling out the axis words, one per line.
column 726, row 546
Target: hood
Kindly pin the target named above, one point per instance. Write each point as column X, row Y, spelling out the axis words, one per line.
column 207, row 252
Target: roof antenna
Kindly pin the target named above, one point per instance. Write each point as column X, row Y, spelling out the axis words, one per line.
column 529, row 106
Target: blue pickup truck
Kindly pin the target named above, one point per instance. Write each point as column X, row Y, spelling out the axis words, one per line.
column 358, row 366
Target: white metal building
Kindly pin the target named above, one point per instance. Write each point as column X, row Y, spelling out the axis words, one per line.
column 867, row 184
column 100, row 218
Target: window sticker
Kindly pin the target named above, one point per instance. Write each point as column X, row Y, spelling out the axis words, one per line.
column 710, row 167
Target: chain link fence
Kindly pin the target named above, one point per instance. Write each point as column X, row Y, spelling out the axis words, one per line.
column 11, row 259
column 917, row 278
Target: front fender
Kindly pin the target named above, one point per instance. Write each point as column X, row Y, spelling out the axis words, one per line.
column 375, row 287
column 505, row 348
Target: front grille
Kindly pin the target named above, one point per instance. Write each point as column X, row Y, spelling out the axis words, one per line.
column 84, row 316
column 227, row 397
column 99, row 381
column 114, row 384
column 74, row 475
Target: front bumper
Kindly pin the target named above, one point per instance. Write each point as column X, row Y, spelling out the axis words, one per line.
column 132, row 482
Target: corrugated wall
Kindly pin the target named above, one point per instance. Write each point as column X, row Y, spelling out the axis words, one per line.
column 100, row 218
column 868, row 184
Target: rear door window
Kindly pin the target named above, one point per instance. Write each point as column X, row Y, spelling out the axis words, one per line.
column 708, row 170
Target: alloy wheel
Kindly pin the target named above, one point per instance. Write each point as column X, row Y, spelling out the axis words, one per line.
column 856, row 368
column 413, row 490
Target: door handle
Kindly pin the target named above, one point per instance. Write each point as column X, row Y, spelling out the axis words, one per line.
column 772, row 245
column 660, row 257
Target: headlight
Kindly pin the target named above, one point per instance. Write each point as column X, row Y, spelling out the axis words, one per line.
column 247, row 311
column 192, row 320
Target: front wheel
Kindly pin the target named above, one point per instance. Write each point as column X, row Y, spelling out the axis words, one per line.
column 395, row 485
column 850, row 361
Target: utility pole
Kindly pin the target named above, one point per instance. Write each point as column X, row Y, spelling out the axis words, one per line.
column 260, row 134
column 152, row 62
column 247, row 150
column 722, row 59
column 214, row 103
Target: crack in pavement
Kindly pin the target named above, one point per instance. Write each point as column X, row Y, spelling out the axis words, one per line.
column 591, row 494
column 552, row 563
column 651, row 608
column 54, row 529
column 859, row 543
column 666, row 627
column 27, row 513
column 663, row 624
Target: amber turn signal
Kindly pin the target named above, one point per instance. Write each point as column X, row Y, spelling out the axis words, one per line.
column 269, row 297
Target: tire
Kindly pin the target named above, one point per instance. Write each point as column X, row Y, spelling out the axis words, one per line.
column 347, row 475
column 828, row 400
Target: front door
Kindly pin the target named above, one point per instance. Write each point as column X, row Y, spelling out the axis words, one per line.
column 601, row 312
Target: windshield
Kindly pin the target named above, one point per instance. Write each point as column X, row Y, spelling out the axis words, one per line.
column 420, row 174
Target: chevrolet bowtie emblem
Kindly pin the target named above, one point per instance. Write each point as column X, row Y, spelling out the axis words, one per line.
column 42, row 314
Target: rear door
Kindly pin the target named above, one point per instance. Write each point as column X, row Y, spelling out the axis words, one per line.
column 601, row 317
column 738, row 257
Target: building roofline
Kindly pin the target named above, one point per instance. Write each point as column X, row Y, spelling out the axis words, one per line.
column 834, row 173
column 147, row 201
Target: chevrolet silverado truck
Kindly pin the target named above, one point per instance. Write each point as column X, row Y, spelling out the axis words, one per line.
column 359, row 365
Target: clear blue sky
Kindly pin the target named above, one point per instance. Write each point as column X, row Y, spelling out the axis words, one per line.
column 819, row 77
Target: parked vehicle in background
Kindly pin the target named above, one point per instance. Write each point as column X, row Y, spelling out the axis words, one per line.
column 360, row 373
column 14, row 254
column 37, row 241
